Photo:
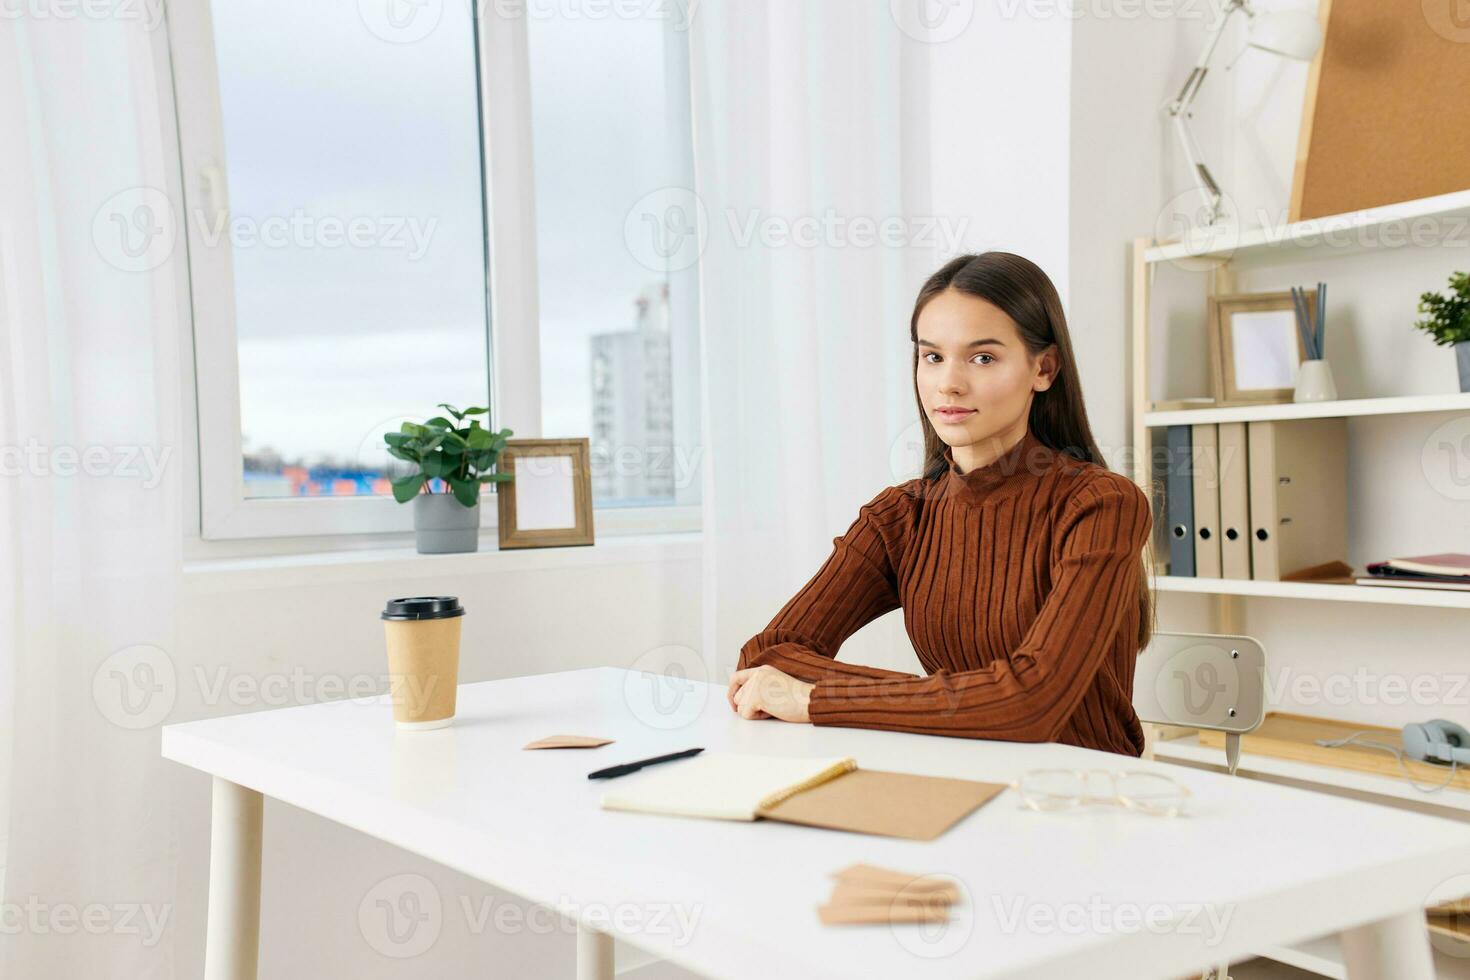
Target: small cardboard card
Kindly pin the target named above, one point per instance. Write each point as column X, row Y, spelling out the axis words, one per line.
column 832, row 915
column 865, row 893
column 569, row 742
column 850, row 894
column 872, row 877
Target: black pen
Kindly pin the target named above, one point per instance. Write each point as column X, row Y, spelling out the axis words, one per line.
column 628, row 767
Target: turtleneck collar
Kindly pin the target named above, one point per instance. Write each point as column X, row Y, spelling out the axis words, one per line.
column 1027, row 459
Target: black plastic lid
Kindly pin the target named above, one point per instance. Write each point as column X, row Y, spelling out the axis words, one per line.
column 424, row 607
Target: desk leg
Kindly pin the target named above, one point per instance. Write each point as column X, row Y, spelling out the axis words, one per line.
column 1389, row 949
column 232, row 938
column 594, row 954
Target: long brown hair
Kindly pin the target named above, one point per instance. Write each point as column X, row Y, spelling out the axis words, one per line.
column 1058, row 418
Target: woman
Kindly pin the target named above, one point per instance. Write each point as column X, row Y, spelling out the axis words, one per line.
column 1017, row 556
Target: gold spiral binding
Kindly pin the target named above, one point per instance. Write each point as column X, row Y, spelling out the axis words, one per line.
column 826, row 775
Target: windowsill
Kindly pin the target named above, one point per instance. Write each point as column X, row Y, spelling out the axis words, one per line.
column 211, row 575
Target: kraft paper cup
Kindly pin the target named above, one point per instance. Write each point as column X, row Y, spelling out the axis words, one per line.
column 423, row 659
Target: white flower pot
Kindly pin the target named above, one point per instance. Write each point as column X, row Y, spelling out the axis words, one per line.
column 442, row 525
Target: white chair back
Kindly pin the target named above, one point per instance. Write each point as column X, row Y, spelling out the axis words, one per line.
column 1203, row 680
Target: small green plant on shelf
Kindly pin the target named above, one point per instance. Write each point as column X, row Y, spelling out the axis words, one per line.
column 1447, row 318
column 460, row 453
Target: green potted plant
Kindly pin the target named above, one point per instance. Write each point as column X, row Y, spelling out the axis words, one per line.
column 1447, row 320
column 460, row 454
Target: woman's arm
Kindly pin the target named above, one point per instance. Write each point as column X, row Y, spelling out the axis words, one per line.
column 1030, row 695
column 855, row 585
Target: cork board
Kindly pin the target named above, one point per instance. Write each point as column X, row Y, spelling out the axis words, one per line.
column 1386, row 117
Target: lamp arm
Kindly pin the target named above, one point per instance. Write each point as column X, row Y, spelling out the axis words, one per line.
column 1178, row 111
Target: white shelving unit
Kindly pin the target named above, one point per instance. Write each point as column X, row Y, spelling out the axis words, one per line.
column 1387, row 595
column 1348, row 408
column 1390, row 226
column 1385, row 789
column 1218, row 253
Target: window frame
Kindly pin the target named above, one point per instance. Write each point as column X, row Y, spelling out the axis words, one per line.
column 512, row 325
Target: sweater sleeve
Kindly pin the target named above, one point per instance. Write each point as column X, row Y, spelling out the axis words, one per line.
column 1029, row 695
column 855, row 585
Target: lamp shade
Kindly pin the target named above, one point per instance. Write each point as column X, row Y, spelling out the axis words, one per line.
column 1289, row 33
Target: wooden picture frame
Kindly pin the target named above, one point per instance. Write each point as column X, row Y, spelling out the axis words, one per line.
column 1255, row 347
column 548, row 504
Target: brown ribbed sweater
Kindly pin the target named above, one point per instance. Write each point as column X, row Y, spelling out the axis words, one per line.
column 1018, row 582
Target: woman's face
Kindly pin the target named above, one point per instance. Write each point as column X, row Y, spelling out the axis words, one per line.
column 971, row 359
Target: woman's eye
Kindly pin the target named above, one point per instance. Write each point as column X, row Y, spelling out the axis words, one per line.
column 929, row 355
column 991, row 356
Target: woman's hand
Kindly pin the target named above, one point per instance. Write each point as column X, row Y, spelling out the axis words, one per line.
column 765, row 692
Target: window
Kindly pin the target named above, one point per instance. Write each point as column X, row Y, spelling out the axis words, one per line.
column 610, row 118
column 343, row 229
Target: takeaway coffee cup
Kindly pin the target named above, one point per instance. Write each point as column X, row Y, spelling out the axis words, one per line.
column 423, row 659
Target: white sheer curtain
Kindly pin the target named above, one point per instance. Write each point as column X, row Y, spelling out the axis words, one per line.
column 811, row 135
column 90, row 529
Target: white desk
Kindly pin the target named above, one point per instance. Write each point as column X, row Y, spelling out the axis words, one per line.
column 1098, row 892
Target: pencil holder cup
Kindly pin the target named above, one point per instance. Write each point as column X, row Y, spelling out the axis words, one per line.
column 1314, row 382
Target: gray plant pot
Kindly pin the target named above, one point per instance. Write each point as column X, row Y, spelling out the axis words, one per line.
column 442, row 525
column 1462, row 358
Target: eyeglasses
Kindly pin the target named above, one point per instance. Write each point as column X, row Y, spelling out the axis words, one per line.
column 1064, row 789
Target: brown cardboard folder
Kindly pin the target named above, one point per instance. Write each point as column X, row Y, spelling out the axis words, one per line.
column 892, row 804
column 818, row 792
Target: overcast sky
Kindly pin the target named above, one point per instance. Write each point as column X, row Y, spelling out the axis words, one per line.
column 326, row 122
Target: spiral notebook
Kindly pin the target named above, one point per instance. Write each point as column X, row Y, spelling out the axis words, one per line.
column 830, row 792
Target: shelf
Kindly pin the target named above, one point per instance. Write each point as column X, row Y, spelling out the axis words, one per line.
column 1377, row 594
column 1188, row 750
column 1404, row 405
column 1427, row 221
